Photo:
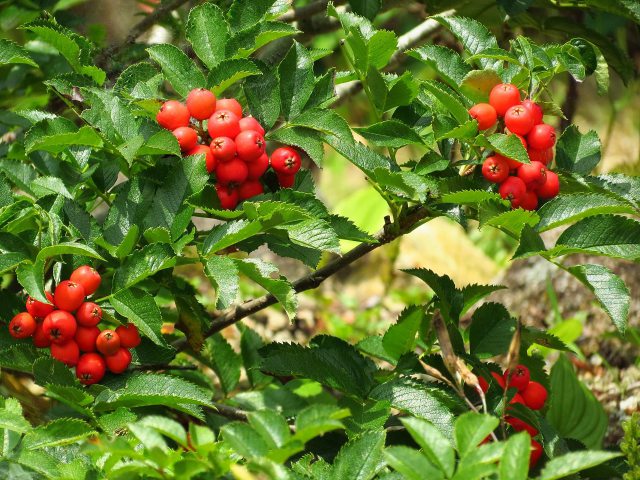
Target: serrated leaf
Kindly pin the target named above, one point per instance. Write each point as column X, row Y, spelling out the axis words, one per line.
column 366, row 8
column 19, row 357
column 390, row 133
column 473, row 35
column 139, row 308
column 224, row 361
column 47, row 370
column 449, row 297
column 574, row 462
column 244, row 439
column 114, row 118
column 180, row 71
column 271, row 426
column 162, row 142
column 512, row 221
column 143, row 264
column 380, row 48
column 245, row 13
column 324, row 121
column 491, row 330
column 223, row 275
column 400, row 337
column 207, row 32
column 13, row 421
column 477, row 84
column 263, row 96
column 362, row 157
column 167, row 427
column 140, row 81
column 449, row 65
column 304, row 138
column 577, row 152
column 314, row 233
column 58, row 134
column 514, row 463
column 62, row 431
column 360, row 458
column 228, row 234
column 131, row 204
column 12, row 53
column 435, row 446
column 508, row 146
column 449, row 101
column 44, row 186
column 260, row 272
column 228, row 72
column 296, row 80
column 473, row 293
column 411, row 464
column 245, row 42
column 470, row 429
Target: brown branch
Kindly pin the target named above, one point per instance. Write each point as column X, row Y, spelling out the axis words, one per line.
column 230, row 412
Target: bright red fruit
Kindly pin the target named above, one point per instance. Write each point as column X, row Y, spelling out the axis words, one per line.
column 519, row 425
column 187, row 138
column 513, row 189
column 518, row 120
column 201, row 103
column 533, row 174
column 517, row 398
column 23, row 325
column 172, row 115
column 91, row 368
column 536, row 453
column 250, row 145
column 86, row 338
column 228, row 197
column 68, row 353
column 129, row 335
column 230, row 104
column 518, row 377
column 258, row 167
column 535, row 395
column 529, row 201
column 495, row 169
column 485, row 114
column 484, row 386
column 59, row 326
column 285, row 160
column 498, row 378
column 542, row 156
column 89, row 314
column 209, row 159
column 69, row 295
column 551, row 186
column 286, row 180
column 535, row 109
column 541, row 137
column 119, row 361
column 39, row 309
column 108, row 342
column 233, row 172
column 250, row 123
column 88, row 277
column 503, row 96
column 224, row 123
column 223, row 148
column 249, row 189
column 40, row 338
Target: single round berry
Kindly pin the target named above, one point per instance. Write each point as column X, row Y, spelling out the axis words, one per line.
column 518, row 377
column 536, row 453
column 534, row 395
column 513, row 189
column 484, row 114
column 88, row 277
column 250, row 188
column 67, row 353
column 39, row 309
column 224, row 123
column 232, row 172
column 535, row 109
column 129, row 335
column 119, row 361
column 223, row 149
column 69, row 295
column 285, row 180
column 541, row 137
column 258, row 167
column 40, row 338
column 201, row 103
column 503, row 96
column 250, row 145
column 495, row 169
column 285, row 160
column 23, row 325
column 518, row 120
column 529, row 201
column 520, row 425
column 172, row 115
column 533, row 174
column 86, row 338
column 59, row 326
column 89, row 314
column 542, row 156
column 91, row 368
column 551, row 186
column 108, row 342
column 228, row 197
column 230, row 104
column 209, row 159
column 187, row 138
column 250, row 123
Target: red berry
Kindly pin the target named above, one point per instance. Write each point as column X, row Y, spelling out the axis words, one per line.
column 233, row 172
column 172, row 115
column 533, row 174
column 503, row 96
column 108, row 342
column 498, row 378
column 129, row 335
column 519, row 425
column 541, row 137
column 250, row 145
column 223, row 148
column 91, row 368
column 484, row 386
column 542, row 156
column 485, row 114
column 67, row 353
column 209, row 159
column 258, row 167
column 59, row 326
column 517, row 398
column 227, row 196
column 119, row 361
column 40, row 338
column 285, row 180
column 23, row 325
column 187, row 138
column 534, row 395
column 513, row 189
column 285, row 160
column 535, row 109
column 86, row 338
column 250, row 123
column 201, row 103
column 529, row 201
column 249, row 189
column 518, row 377
column 495, row 169
column 224, row 123
column 88, row 277
column 39, row 309
column 89, row 314
column 536, row 453
column 518, row 120
column 230, row 104
column 551, row 186
column 69, row 295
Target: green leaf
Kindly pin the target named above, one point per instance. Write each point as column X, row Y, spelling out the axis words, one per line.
column 509, row 146
column 263, row 96
column 19, row 357
column 449, row 297
column 362, row 157
column 49, row 371
column 114, row 118
column 491, row 330
column 318, row 419
column 261, row 273
column 315, row 234
column 139, row 308
column 380, row 47
column 44, row 186
column 473, row 35
column 511, row 221
column 228, row 72
column 360, row 458
column 304, row 138
column 449, row 65
column 474, row 293
column 514, row 463
column 130, row 206
column 574, row 462
column 296, row 80
column 471, row 428
column 271, row 426
column 366, row 8
column 449, row 101
column 246, row 13
column 62, row 431
column 244, row 440
column 181, row 72
column 12, row 53
column 143, row 264
column 469, row 196
column 478, row 83
column 140, row 81
column 167, row 427
column 160, row 143
column 411, row 464
column 390, row 133
column 400, row 337
column 245, row 42
column 324, row 121
column 577, row 152
column 435, row 446
column 57, row 134
column 228, row 234
column 223, row 361
column 13, row 421
column 223, row 275
column 208, row 32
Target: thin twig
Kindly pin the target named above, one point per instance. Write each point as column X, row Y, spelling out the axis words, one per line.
column 230, row 412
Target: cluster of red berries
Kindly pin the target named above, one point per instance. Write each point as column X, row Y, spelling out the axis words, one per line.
column 53, row 325
column 530, row 393
column 237, row 149
column 523, row 184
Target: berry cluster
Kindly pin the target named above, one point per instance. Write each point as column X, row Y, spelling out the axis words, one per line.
column 236, row 153
column 53, row 325
column 523, row 184
column 530, row 393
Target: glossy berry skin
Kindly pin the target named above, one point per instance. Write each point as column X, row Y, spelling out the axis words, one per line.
column 39, row 309
column 223, row 149
column 230, row 104
column 173, row 115
column 503, row 96
column 129, row 335
column 518, row 120
column 228, row 197
column 541, row 137
column 209, row 159
column 536, row 453
column 201, row 103
column 484, row 114
column 495, row 169
column 520, row 425
column 250, row 145
column 551, row 186
column 285, row 160
column 23, row 325
column 542, row 156
column 119, row 361
column 86, row 338
column 69, row 295
column 285, row 180
column 187, row 138
column 518, row 377
column 89, row 314
column 108, row 342
column 233, row 172
column 533, row 174
column 224, row 123
column 249, row 189
column 40, row 338
column 91, row 368
column 534, row 395
column 250, row 123
column 529, row 201
column 67, row 353
column 513, row 189
column 88, row 277
column 535, row 109
column 59, row 326
column 258, row 167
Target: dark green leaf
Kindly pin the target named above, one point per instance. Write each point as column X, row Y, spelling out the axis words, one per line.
column 445, row 61
column 574, row 462
column 223, row 275
column 207, row 31
column 390, row 133
column 360, row 458
column 139, row 308
column 577, row 152
column 261, row 273
column 449, row 297
column 12, row 53
column 296, row 80
column 224, row 361
column 435, row 446
column 181, row 72
column 228, row 72
column 491, row 330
